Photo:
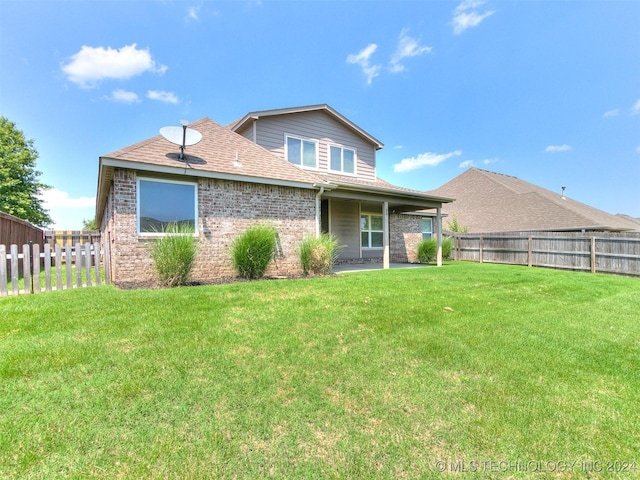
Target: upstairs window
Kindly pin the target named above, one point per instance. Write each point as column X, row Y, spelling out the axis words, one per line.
column 371, row 231
column 163, row 202
column 302, row 152
column 427, row 228
column 342, row 160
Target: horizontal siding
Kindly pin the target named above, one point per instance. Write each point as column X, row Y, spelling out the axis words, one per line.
column 345, row 225
column 323, row 128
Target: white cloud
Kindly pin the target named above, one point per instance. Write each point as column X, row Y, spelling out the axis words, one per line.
column 53, row 197
column 424, row 159
column 557, row 148
column 91, row 65
column 489, row 161
column 123, row 96
column 466, row 164
column 407, row 47
column 612, row 113
column 192, row 13
column 636, row 108
column 466, row 15
column 362, row 58
column 162, row 96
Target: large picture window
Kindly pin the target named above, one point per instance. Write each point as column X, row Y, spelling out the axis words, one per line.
column 342, row 160
column 163, row 202
column 427, row 228
column 371, row 231
column 302, row 152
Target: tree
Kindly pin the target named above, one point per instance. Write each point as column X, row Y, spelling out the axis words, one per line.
column 454, row 226
column 89, row 224
column 19, row 184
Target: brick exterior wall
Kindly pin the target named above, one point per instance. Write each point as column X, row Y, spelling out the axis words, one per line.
column 226, row 209
column 405, row 232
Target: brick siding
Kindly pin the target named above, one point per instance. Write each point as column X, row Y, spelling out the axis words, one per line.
column 226, row 209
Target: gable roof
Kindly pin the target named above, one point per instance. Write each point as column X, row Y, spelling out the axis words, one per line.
column 492, row 202
column 252, row 116
column 226, row 155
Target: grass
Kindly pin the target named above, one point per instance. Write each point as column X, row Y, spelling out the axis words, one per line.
column 296, row 379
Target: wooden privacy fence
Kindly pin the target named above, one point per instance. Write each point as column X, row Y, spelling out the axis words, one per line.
column 62, row 237
column 33, row 269
column 18, row 231
column 602, row 252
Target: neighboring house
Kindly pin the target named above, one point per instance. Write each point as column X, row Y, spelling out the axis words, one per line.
column 303, row 170
column 493, row 202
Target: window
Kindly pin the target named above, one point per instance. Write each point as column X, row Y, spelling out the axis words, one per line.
column 302, row 152
column 162, row 202
column 371, row 231
column 427, row 228
column 342, row 160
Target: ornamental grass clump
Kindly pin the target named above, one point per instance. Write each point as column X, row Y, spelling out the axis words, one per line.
column 428, row 249
column 318, row 254
column 174, row 254
column 253, row 250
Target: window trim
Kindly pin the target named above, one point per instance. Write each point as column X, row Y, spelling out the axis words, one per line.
column 430, row 232
column 342, row 149
column 367, row 214
column 302, row 140
column 171, row 181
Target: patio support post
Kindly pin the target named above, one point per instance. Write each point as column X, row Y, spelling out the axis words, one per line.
column 318, row 210
column 439, row 237
column 385, row 234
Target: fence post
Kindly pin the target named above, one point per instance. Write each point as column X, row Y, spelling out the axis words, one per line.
column 480, row 248
column 96, row 253
column 530, row 252
column 87, row 259
column 593, row 254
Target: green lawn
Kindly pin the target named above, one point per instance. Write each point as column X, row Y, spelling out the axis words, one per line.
column 365, row 375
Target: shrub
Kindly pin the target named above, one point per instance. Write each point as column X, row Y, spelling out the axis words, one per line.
column 174, row 254
column 428, row 249
column 318, row 254
column 252, row 251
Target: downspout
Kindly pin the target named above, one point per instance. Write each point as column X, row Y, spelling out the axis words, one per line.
column 318, row 210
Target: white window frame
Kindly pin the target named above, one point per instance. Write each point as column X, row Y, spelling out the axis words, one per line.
column 171, row 181
column 342, row 149
column 302, row 140
column 428, row 233
column 370, row 231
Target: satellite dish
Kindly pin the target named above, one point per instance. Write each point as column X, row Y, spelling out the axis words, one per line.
column 181, row 136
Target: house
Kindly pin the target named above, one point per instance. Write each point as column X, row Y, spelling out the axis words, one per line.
column 304, row 170
column 493, row 202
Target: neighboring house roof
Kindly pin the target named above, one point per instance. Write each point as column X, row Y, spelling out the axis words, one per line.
column 493, row 202
column 252, row 116
column 224, row 154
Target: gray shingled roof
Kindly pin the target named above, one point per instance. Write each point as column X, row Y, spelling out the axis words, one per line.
column 493, row 202
column 222, row 153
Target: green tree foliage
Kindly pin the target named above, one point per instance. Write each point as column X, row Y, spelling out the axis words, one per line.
column 19, row 185
column 454, row 226
column 89, row 224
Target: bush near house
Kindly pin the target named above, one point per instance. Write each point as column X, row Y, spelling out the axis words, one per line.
column 252, row 251
column 174, row 254
column 318, row 254
column 428, row 249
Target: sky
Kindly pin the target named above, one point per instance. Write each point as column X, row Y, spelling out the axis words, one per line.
column 547, row 91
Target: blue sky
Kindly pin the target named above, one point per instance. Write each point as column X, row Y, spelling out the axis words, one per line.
column 548, row 91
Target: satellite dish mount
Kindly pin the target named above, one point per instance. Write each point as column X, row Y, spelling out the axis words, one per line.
column 181, row 136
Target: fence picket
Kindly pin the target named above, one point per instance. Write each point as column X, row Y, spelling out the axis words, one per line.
column 14, row 269
column 21, row 269
column 3, row 270
column 26, row 262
